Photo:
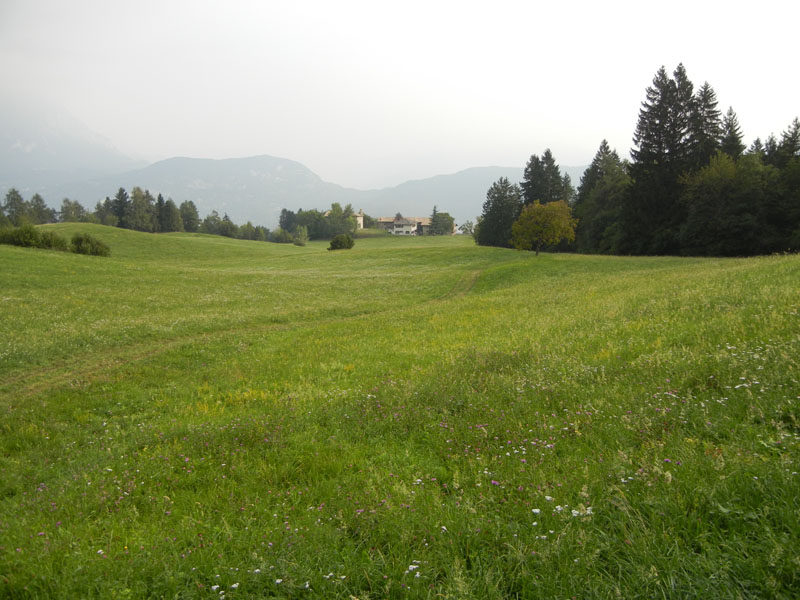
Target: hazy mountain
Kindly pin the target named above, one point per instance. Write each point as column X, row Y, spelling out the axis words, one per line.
column 247, row 189
column 42, row 147
column 257, row 188
column 44, row 150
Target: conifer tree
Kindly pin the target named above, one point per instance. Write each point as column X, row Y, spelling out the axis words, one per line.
column 120, row 206
column 542, row 180
column 39, row 212
column 500, row 210
column 731, row 143
column 705, row 127
column 661, row 155
column 599, row 202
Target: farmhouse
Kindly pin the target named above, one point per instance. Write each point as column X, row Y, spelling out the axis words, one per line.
column 400, row 225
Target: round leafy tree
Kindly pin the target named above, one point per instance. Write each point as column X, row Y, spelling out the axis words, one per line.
column 341, row 242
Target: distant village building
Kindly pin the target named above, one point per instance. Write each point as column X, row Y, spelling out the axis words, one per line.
column 360, row 219
column 400, row 225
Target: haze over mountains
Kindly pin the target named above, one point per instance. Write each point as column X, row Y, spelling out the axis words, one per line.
column 56, row 156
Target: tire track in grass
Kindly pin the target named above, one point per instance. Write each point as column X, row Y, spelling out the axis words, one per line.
column 87, row 368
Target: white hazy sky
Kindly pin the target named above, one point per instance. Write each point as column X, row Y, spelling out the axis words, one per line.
column 372, row 93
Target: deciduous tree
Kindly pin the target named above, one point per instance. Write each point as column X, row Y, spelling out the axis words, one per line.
column 189, row 216
column 543, row 225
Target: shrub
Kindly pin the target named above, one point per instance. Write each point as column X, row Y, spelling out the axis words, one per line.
column 301, row 235
column 281, row 236
column 83, row 243
column 26, row 236
column 341, row 242
column 52, row 240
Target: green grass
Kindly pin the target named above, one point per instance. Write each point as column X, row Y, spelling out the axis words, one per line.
column 196, row 411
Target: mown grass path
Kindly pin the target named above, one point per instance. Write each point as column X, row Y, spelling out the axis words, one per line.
column 411, row 418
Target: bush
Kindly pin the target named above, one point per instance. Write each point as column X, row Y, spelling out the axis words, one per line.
column 281, row 236
column 83, row 243
column 26, row 236
column 52, row 241
column 341, row 242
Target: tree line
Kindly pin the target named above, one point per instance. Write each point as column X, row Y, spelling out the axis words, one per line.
column 692, row 187
column 139, row 211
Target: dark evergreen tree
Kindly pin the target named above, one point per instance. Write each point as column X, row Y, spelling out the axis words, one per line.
column 770, row 154
column 653, row 215
column 756, row 148
column 189, row 216
column 731, row 143
column 160, row 216
column 542, row 181
column 120, row 207
column 593, row 173
column 789, row 145
column 705, row 127
column 501, row 208
column 599, row 202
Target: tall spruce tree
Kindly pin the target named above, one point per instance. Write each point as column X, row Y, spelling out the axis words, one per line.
column 542, row 181
column 731, row 143
column 599, row 202
column 500, row 210
column 705, row 127
column 661, row 155
column 120, row 206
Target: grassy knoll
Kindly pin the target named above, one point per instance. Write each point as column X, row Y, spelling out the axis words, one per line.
column 199, row 417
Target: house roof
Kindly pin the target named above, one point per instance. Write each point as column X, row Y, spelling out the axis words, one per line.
column 424, row 221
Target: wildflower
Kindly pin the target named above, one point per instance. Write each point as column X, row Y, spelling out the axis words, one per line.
column 257, row 571
column 215, row 587
column 495, row 482
column 535, row 511
column 444, row 529
column 412, row 567
column 99, row 551
column 548, row 498
column 234, row 586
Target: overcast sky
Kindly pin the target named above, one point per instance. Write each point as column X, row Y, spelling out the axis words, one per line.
column 371, row 93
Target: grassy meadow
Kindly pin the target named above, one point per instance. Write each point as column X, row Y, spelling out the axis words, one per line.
column 201, row 417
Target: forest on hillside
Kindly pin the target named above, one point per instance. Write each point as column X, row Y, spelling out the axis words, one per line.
column 692, row 186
